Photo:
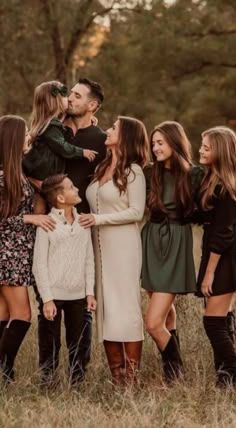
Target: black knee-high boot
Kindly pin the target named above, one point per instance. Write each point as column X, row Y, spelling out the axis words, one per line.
column 12, row 337
column 172, row 361
column 175, row 333
column 231, row 324
column 3, row 324
column 224, row 353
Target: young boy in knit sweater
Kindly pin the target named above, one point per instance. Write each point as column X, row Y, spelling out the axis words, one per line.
column 63, row 267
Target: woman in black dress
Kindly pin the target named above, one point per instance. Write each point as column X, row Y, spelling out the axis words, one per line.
column 217, row 274
column 17, row 231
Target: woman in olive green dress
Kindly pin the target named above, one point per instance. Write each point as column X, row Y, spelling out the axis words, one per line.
column 168, row 266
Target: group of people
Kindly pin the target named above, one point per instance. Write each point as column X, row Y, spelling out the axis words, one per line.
column 73, row 199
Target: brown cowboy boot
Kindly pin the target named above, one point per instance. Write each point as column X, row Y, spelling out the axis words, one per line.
column 133, row 351
column 115, row 356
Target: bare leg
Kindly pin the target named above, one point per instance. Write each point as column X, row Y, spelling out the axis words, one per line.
column 232, row 303
column 219, row 305
column 159, row 307
column 4, row 312
column 171, row 319
column 17, row 300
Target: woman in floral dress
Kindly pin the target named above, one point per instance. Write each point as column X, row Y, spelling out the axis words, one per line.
column 17, row 231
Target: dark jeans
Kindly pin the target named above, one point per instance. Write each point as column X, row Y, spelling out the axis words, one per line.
column 78, row 326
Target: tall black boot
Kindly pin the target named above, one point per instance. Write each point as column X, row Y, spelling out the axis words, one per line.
column 10, row 343
column 224, row 353
column 172, row 361
column 3, row 324
column 231, row 324
column 175, row 333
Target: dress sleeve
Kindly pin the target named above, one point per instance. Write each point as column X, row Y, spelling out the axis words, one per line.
column 40, row 265
column 136, row 189
column 57, row 143
column 197, row 174
column 223, row 224
column 148, row 177
column 89, row 269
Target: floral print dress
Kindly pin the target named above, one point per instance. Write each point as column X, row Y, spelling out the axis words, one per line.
column 17, row 243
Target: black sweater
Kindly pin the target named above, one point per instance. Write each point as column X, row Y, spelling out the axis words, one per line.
column 81, row 171
column 220, row 223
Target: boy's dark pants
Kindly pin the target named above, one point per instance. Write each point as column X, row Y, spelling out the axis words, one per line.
column 78, row 326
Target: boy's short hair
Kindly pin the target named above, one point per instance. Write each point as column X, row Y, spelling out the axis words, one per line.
column 51, row 186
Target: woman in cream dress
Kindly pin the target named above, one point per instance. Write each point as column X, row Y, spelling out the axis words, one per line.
column 117, row 200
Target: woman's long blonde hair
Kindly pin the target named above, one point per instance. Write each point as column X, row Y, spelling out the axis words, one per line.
column 46, row 107
column 223, row 169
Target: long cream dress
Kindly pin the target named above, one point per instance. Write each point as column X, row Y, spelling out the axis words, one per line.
column 118, row 257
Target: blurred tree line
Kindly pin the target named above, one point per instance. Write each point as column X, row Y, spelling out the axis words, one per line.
column 156, row 59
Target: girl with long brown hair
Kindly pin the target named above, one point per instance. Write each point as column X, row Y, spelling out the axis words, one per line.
column 17, row 231
column 217, row 273
column 168, row 267
column 49, row 146
column 117, row 200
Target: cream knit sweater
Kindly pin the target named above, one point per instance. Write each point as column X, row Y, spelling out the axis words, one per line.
column 63, row 263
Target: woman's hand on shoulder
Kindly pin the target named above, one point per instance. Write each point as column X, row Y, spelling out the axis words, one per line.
column 87, row 220
column 40, row 220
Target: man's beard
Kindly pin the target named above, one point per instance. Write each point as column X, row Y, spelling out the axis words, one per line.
column 70, row 112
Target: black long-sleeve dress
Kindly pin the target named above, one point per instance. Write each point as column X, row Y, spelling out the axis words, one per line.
column 219, row 237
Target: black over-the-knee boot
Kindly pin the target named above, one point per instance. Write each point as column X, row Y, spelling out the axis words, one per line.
column 224, row 353
column 12, row 337
column 172, row 361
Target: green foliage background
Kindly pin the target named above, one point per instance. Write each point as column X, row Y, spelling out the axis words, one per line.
column 159, row 60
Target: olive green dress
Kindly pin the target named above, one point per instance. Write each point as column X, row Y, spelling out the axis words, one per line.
column 168, row 265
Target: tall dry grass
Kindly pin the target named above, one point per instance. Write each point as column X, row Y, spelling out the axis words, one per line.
column 195, row 402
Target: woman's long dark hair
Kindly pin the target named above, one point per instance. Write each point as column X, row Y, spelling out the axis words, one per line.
column 176, row 138
column 12, row 138
column 132, row 148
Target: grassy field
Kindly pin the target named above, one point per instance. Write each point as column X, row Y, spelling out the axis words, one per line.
column 192, row 403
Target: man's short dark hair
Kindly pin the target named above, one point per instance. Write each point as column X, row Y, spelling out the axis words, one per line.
column 96, row 90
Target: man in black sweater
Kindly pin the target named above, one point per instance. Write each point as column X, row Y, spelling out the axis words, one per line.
column 85, row 99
